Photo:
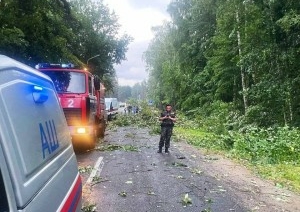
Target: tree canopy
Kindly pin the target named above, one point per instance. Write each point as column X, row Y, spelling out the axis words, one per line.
column 61, row 31
column 243, row 54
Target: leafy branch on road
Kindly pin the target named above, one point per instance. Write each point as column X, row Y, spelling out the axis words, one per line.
column 186, row 200
column 180, row 177
column 97, row 180
column 151, row 193
column 196, row 171
column 209, row 202
column 85, row 169
column 177, row 164
column 123, row 194
column 148, row 117
column 109, row 147
column 89, row 208
column 130, row 135
column 206, row 210
column 113, row 147
column 130, row 148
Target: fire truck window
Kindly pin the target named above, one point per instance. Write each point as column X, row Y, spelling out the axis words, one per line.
column 90, row 86
column 67, row 81
column 3, row 197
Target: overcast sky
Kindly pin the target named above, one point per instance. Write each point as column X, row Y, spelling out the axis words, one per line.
column 136, row 18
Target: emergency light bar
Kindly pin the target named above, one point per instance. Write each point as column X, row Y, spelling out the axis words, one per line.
column 51, row 65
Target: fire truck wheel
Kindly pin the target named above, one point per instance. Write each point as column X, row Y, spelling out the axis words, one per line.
column 91, row 144
column 101, row 130
column 83, row 144
column 88, row 143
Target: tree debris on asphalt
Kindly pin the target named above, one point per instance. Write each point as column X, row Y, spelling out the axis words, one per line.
column 186, row 200
column 113, row 147
column 177, row 164
column 85, row 169
column 123, row 194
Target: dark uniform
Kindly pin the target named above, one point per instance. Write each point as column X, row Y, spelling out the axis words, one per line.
column 166, row 130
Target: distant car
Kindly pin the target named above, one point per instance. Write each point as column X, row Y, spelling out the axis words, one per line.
column 122, row 104
column 122, row 107
column 112, row 107
column 38, row 167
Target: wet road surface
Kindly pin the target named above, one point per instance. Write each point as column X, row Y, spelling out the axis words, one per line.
column 129, row 175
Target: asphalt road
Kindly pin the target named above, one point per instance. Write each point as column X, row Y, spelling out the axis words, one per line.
column 126, row 174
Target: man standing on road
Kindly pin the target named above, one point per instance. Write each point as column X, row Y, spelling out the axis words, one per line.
column 167, row 119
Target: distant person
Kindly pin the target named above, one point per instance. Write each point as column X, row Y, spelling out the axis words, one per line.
column 134, row 109
column 167, row 119
column 111, row 108
column 129, row 108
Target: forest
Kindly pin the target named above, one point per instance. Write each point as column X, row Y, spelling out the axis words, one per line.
column 62, row 31
column 231, row 70
column 235, row 57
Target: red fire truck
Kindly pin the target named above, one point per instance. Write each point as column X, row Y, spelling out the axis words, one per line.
column 81, row 96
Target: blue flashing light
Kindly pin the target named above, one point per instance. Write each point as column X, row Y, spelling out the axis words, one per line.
column 50, row 65
column 39, row 95
column 37, row 88
column 69, row 65
column 42, row 65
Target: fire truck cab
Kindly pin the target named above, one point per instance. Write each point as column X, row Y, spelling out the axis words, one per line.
column 81, row 95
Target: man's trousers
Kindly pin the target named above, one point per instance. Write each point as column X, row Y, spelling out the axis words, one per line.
column 165, row 136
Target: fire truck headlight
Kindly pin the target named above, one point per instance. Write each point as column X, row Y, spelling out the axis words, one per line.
column 81, row 130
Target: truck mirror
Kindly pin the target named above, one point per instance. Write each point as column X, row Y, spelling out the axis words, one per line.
column 96, row 82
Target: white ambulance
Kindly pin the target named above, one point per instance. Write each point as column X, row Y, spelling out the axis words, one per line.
column 112, row 107
column 38, row 167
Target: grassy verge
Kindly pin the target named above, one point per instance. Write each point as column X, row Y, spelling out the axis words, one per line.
column 272, row 154
column 283, row 175
column 200, row 138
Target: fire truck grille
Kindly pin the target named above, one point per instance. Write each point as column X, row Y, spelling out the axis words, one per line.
column 73, row 116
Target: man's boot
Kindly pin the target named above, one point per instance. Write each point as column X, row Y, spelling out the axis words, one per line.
column 167, row 151
column 159, row 150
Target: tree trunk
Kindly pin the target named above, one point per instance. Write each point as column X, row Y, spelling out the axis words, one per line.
column 242, row 68
column 284, row 117
column 290, row 108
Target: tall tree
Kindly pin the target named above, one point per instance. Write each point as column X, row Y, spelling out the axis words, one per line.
column 239, row 52
column 61, row 31
column 124, row 93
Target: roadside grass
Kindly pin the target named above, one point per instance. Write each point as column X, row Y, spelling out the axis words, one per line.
column 283, row 175
column 198, row 138
column 274, row 155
